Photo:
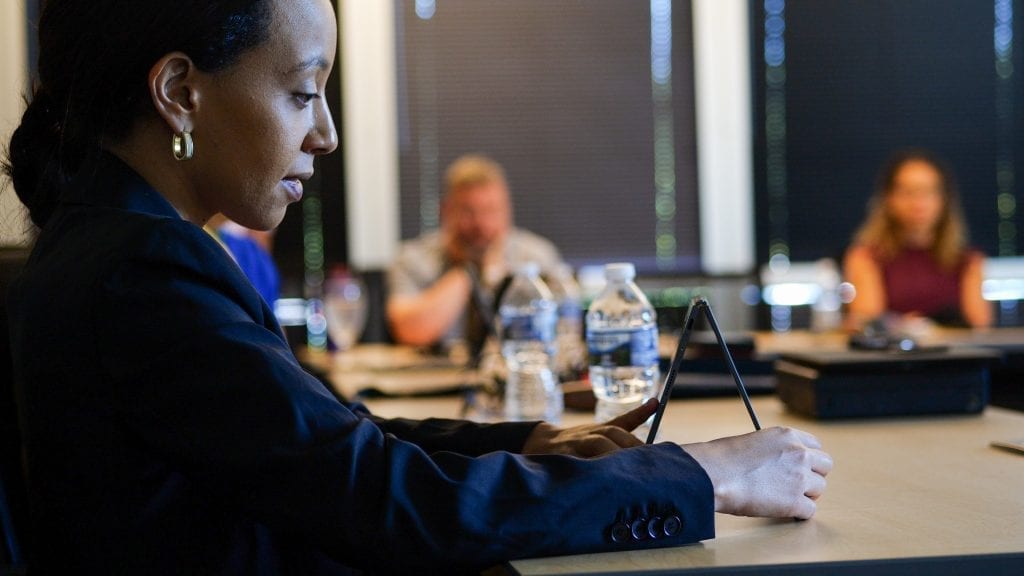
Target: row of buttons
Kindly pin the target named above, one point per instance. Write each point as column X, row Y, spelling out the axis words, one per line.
column 643, row 528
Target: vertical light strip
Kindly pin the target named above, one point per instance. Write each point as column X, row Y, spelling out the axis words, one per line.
column 427, row 146
column 664, row 134
column 776, row 177
column 1006, row 202
column 313, row 241
column 775, row 130
column 725, row 173
column 14, row 225
column 370, row 102
column 313, row 262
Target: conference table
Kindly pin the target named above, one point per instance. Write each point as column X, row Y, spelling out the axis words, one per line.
column 908, row 495
column 924, row 495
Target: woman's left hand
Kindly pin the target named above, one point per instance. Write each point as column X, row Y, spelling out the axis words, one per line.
column 590, row 439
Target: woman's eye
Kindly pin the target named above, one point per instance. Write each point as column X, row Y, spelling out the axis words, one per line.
column 304, row 98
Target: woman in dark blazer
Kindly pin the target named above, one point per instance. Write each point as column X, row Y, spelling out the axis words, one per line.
column 170, row 430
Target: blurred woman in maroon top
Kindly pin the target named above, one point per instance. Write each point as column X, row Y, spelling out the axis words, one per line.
column 910, row 257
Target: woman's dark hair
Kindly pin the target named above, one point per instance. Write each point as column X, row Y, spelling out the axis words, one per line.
column 94, row 62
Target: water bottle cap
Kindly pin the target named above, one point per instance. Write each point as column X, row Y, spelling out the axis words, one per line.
column 620, row 271
column 530, row 269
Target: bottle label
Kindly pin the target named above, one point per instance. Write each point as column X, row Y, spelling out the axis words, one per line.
column 539, row 327
column 570, row 309
column 635, row 347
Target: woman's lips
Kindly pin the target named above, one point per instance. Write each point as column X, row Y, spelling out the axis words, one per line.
column 294, row 188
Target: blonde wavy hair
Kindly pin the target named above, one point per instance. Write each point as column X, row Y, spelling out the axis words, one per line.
column 881, row 232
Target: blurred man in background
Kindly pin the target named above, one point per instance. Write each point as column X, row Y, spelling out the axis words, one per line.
column 437, row 277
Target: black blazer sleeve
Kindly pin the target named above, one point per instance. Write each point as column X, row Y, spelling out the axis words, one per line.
column 464, row 437
column 206, row 383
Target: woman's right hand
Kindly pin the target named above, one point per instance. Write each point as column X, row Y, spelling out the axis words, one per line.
column 776, row 472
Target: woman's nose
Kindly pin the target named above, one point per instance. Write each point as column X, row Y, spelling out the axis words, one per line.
column 323, row 138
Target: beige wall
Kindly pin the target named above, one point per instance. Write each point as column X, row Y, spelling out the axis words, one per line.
column 13, row 79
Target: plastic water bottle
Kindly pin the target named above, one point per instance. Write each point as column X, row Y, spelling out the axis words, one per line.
column 570, row 358
column 527, row 318
column 826, row 310
column 622, row 339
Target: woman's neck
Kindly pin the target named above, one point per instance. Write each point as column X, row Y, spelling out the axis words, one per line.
column 147, row 151
column 918, row 238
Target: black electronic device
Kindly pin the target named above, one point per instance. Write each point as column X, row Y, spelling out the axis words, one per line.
column 888, row 332
column 830, row 384
column 698, row 306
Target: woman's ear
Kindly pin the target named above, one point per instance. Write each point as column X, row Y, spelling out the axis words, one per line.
column 172, row 86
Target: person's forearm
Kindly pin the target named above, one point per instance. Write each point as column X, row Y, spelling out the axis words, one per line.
column 869, row 299
column 975, row 309
column 460, row 436
column 423, row 319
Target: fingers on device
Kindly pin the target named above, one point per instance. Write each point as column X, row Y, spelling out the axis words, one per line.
column 698, row 306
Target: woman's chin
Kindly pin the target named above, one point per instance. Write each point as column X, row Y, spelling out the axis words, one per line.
column 267, row 219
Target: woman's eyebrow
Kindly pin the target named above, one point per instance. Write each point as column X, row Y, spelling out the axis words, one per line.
column 313, row 62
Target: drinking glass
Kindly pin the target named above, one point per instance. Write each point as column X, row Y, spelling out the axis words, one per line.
column 345, row 306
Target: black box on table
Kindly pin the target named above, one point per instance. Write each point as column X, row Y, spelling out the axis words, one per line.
column 859, row 383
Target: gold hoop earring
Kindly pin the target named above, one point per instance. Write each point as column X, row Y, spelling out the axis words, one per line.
column 182, row 146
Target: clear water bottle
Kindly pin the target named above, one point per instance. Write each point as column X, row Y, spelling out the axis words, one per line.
column 826, row 311
column 570, row 358
column 527, row 315
column 622, row 339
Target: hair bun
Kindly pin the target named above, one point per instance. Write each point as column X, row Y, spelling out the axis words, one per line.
column 42, row 112
column 33, row 165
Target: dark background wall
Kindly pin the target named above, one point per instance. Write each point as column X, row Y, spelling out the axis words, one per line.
column 560, row 93
column 864, row 78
